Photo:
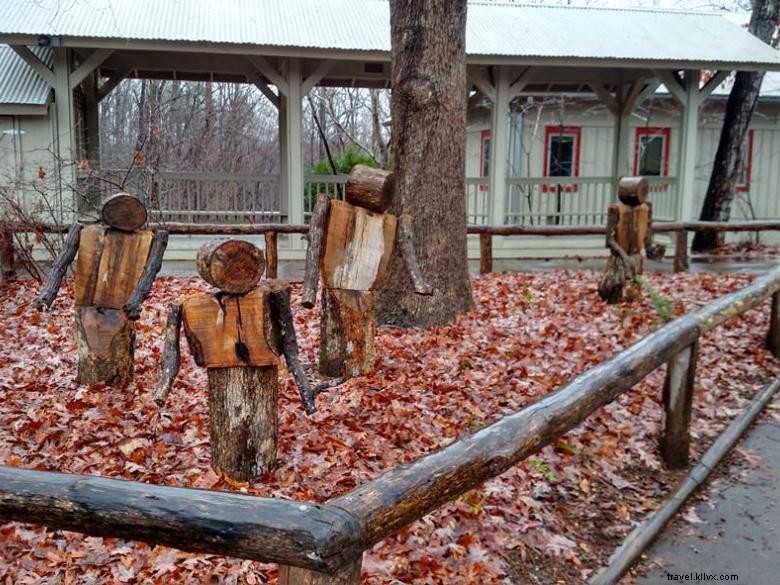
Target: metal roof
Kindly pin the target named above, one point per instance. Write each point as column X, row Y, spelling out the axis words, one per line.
column 515, row 32
column 19, row 83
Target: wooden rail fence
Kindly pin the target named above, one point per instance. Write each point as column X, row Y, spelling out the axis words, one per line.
column 485, row 232
column 317, row 544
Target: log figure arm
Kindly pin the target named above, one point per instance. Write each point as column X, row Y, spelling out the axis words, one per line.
column 653, row 250
column 170, row 354
column 317, row 224
column 49, row 291
column 144, row 287
column 406, row 243
column 613, row 215
column 283, row 321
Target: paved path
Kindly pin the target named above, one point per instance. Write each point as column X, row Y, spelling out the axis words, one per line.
column 740, row 535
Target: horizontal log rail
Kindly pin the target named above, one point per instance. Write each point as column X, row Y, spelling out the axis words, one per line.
column 485, row 232
column 319, row 544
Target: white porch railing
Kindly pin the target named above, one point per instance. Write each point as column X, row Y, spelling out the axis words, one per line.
column 577, row 200
column 203, row 197
column 333, row 185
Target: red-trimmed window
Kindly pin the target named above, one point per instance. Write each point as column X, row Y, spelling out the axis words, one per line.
column 484, row 157
column 651, row 151
column 743, row 179
column 562, row 154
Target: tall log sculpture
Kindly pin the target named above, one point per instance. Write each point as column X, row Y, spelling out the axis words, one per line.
column 629, row 230
column 237, row 333
column 350, row 244
column 116, row 266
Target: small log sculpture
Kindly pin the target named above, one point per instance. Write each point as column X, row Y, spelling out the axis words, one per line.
column 350, row 245
column 116, row 266
column 629, row 230
column 237, row 334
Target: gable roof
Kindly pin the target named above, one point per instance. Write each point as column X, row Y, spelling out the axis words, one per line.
column 518, row 33
column 19, row 83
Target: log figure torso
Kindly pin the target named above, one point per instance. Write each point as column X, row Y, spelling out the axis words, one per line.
column 228, row 331
column 109, row 266
column 357, row 248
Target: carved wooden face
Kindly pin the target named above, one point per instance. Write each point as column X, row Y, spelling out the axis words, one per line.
column 123, row 211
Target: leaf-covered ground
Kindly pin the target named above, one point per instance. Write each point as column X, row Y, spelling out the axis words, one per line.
column 554, row 518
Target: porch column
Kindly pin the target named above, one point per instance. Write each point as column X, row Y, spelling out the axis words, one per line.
column 92, row 135
column 65, row 137
column 499, row 126
column 689, row 126
column 290, row 144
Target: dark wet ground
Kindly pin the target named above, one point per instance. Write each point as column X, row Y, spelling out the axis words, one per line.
column 735, row 536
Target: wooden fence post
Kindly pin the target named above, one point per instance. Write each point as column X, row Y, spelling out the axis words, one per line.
column 6, row 255
column 678, row 395
column 485, row 253
column 681, row 251
column 271, row 255
column 348, row 575
column 773, row 338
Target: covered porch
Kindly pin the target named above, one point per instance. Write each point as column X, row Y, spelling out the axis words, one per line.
column 619, row 57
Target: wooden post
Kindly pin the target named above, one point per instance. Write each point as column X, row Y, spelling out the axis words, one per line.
column 773, row 338
column 678, row 395
column 348, row 575
column 6, row 255
column 681, row 251
column 485, row 253
column 347, row 333
column 106, row 340
column 271, row 255
column 242, row 420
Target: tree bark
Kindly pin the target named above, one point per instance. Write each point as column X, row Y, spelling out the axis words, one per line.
column 170, row 355
column 71, row 246
column 311, row 278
column 106, row 344
column 347, row 330
column 242, row 418
column 271, row 255
column 731, row 152
column 151, row 268
column 429, row 131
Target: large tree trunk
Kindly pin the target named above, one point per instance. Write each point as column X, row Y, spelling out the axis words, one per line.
column 739, row 110
column 429, row 134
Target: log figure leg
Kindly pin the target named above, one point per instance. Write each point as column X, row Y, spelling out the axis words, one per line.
column 613, row 281
column 773, row 338
column 106, row 343
column 347, row 330
column 348, row 575
column 678, row 395
column 243, row 420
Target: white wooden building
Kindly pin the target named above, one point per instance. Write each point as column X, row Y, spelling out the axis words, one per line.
column 608, row 64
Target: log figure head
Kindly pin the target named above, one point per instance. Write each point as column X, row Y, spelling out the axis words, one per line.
column 232, row 266
column 370, row 188
column 123, row 211
column 633, row 190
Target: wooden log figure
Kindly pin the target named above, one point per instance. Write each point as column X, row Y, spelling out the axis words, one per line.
column 350, row 245
column 237, row 333
column 629, row 230
column 116, row 266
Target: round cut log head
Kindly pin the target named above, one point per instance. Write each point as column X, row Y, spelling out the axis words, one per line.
column 370, row 188
column 123, row 211
column 232, row 266
column 633, row 190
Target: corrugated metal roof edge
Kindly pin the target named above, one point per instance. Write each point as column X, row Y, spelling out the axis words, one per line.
column 565, row 7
